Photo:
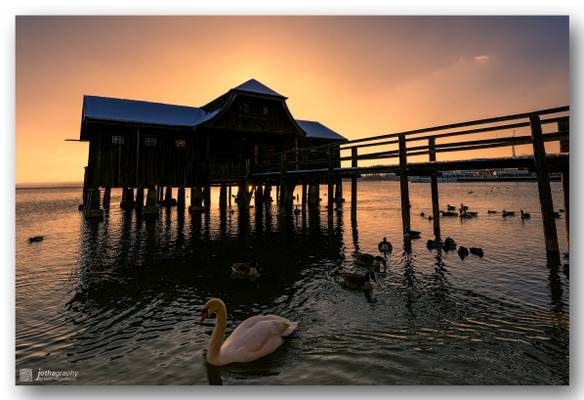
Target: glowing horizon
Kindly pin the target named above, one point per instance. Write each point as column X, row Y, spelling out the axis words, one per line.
column 360, row 76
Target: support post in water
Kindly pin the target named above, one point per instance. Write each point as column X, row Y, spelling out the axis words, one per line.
column 223, row 197
column 180, row 198
column 434, row 187
column 330, row 182
column 403, row 180
column 545, row 191
column 139, row 198
column 107, row 196
column 92, row 210
column 564, row 126
column 196, row 200
column 151, row 198
column 354, row 164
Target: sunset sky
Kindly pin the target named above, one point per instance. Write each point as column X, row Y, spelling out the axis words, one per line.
column 360, row 76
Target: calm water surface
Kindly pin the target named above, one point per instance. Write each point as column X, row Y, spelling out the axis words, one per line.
column 119, row 300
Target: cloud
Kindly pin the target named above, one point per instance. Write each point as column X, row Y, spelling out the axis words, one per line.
column 481, row 59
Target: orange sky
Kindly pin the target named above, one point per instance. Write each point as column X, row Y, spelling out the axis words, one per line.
column 360, row 76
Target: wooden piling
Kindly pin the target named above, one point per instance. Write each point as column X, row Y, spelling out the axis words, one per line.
column 180, row 198
column 196, row 200
column 545, row 191
column 207, row 198
column 303, row 196
column 564, row 126
column 92, row 210
column 339, row 191
column 267, row 194
column 434, row 187
column 107, row 196
column 151, row 199
column 229, row 195
column 258, row 195
column 223, row 197
column 139, row 198
column 127, row 202
column 168, row 200
column 403, row 180
column 354, row 164
column 330, row 182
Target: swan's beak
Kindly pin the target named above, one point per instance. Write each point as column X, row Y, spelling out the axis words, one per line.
column 204, row 315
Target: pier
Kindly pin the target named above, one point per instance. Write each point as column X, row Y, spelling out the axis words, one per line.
column 247, row 139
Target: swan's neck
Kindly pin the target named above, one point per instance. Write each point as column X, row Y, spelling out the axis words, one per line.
column 214, row 348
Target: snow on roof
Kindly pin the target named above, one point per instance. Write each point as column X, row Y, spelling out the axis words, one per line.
column 317, row 130
column 256, row 87
column 121, row 110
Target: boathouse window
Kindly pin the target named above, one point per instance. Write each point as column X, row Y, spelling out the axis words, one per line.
column 150, row 141
column 117, row 139
column 180, row 143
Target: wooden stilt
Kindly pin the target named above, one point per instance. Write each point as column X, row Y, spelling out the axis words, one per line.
column 207, row 198
column 303, row 196
column 92, row 210
column 339, row 192
column 564, row 126
column 330, row 182
column 223, row 197
column 151, row 199
column 259, row 195
column 403, row 180
column 127, row 202
column 545, row 191
column 107, row 195
column 354, row 164
column 268, row 194
column 139, row 198
column 196, row 200
column 84, row 196
column 180, row 198
column 168, row 200
column 434, row 187
column 229, row 195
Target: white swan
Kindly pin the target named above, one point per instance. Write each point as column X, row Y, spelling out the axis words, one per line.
column 253, row 339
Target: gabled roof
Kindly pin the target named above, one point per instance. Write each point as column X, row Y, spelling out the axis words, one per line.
column 144, row 112
column 317, row 130
column 254, row 86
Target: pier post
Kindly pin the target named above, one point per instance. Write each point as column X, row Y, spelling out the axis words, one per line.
column 303, row 196
column 127, row 202
column 223, row 197
column 313, row 195
column 354, row 164
column 268, row 194
column 159, row 194
column 196, row 200
column 243, row 196
column 139, row 198
column 207, row 198
column 434, row 187
column 330, row 183
column 180, row 200
column 545, row 191
column 259, row 195
column 151, row 199
column 107, row 196
column 84, row 195
column 403, row 180
column 92, row 210
column 229, row 195
column 339, row 192
column 283, row 193
column 564, row 126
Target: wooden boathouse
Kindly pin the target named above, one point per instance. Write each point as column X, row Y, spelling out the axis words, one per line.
column 143, row 146
column 248, row 138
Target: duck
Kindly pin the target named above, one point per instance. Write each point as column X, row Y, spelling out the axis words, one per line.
column 524, row 215
column 36, row 239
column 430, row 218
column 368, row 261
column 448, row 213
column 296, row 211
column 462, row 208
column 412, row 234
column 422, row 214
column 508, row 213
column 449, row 244
column 384, row 246
column 358, row 281
column 450, row 208
column 492, row 211
column 556, row 214
column 254, row 338
column 433, row 244
column 477, row 251
column 462, row 252
column 245, row 270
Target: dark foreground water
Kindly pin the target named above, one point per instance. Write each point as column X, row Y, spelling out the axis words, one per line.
column 118, row 301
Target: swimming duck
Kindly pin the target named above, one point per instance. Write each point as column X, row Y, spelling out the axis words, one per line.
column 556, row 214
column 36, row 239
column 433, row 244
column 448, row 213
column 462, row 252
column 492, row 211
column 524, row 215
column 508, row 213
column 384, row 246
column 422, row 214
column 463, row 208
column 296, row 211
column 412, row 234
column 368, row 261
column 450, row 208
column 245, row 270
column 449, row 244
column 477, row 251
column 358, row 281
column 253, row 339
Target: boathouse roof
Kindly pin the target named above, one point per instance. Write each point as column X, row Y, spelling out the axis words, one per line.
column 108, row 109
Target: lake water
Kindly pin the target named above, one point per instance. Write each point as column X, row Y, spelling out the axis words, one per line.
column 118, row 301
